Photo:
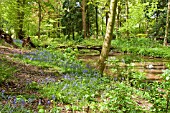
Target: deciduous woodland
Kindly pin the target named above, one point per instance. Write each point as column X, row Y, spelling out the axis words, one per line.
column 84, row 56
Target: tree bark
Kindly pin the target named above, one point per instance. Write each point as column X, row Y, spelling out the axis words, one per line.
column 84, row 17
column 97, row 26
column 39, row 17
column 107, row 16
column 167, row 24
column 88, row 22
column 118, row 18
column 108, row 36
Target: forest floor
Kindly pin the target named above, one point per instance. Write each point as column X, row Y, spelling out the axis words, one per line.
column 23, row 76
column 27, row 74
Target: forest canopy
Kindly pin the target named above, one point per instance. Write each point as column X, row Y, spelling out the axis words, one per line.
column 65, row 18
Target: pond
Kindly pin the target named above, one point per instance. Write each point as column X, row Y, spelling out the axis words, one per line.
column 152, row 67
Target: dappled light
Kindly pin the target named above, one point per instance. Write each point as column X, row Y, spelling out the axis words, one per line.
column 84, row 56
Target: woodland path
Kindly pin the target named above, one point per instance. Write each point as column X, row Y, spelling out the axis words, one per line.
column 26, row 74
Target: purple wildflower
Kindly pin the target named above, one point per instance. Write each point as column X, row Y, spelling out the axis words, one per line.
column 48, row 102
column 53, row 97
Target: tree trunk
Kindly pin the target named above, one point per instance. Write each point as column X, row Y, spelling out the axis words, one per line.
column 102, row 26
column 97, row 26
column 73, row 36
column 127, row 12
column 20, row 16
column 167, row 24
column 84, row 17
column 108, row 36
column 39, row 17
column 88, row 22
column 107, row 16
column 118, row 18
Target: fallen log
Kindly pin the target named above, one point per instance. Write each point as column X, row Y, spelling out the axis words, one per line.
column 79, row 47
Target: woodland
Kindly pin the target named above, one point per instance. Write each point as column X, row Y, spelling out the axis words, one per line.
column 84, row 56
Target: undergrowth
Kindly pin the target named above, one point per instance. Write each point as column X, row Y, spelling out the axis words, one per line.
column 6, row 70
column 142, row 46
column 82, row 88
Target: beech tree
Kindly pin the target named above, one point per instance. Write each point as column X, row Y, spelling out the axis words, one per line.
column 108, row 36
